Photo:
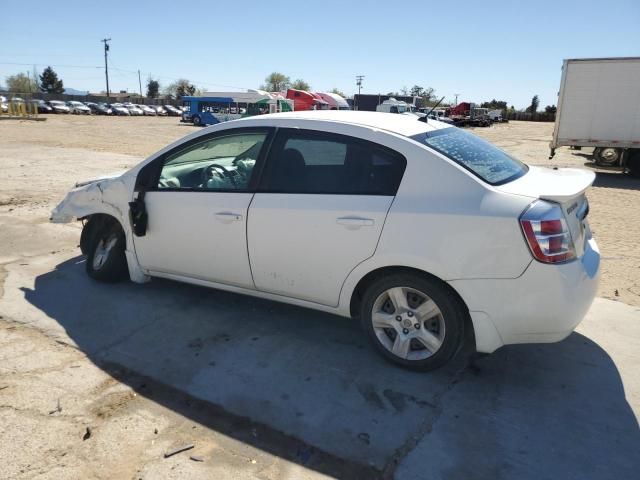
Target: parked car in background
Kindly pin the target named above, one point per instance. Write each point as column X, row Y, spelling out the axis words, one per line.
column 160, row 111
column 78, row 108
column 173, row 111
column 419, row 229
column 58, row 106
column 42, row 106
column 435, row 114
column 134, row 110
column 99, row 108
column 4, row 106
column 147, row 110
column 119, row 109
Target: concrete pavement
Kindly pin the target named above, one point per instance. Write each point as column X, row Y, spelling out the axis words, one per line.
column 567, row 410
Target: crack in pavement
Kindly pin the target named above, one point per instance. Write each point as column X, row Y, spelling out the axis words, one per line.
column 426, row 427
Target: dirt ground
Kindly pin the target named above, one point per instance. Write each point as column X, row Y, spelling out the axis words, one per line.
column 48, row 157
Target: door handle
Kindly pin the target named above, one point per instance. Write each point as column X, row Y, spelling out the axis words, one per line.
column 228, row 217
column 353, row 223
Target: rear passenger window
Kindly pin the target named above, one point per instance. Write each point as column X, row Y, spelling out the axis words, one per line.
column 324, row 163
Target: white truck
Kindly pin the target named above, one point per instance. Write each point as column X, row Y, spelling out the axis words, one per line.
column 395, row 106
column 495, row 115
column 599, row 106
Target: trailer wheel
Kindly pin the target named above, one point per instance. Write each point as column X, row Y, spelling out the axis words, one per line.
column 607, row 156
column 633, row 162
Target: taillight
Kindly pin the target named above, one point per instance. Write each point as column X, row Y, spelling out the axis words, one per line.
column 546, row 232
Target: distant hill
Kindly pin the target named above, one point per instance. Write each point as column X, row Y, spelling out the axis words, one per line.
column 73, row 91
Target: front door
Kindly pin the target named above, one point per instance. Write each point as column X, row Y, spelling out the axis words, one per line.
column 319, row 212
column 197, row 210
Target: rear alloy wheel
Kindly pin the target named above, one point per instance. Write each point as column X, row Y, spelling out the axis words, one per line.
column 607, row 157
column 413, row 321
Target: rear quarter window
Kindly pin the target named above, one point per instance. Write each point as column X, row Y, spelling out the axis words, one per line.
column 475, row 154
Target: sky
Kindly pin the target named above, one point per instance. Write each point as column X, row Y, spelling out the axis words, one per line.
column 507, row 50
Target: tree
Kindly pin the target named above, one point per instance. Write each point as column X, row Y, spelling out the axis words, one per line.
column 300, row 84
column 550, row 109
column 276, row 82
column 49, row 82
column 405, row 91
column 21, row 83
column 180, row 88
column 153, row 88
column 416, row 91
column 495, row 104
column 535, row 102
column 337, row 92
column 427, row 95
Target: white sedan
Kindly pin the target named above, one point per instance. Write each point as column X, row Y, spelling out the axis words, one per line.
column 419, row 229
column 78, row 108
column 147, row 110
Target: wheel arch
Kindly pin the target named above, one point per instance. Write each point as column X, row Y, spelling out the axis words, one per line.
column 370, row 277
column 98, row 218
column 91, row 223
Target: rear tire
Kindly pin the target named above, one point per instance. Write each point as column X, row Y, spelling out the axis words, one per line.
column 106, row 260
column 607, row 156
column 414, row 321
column 197, row 121
column 633, row 162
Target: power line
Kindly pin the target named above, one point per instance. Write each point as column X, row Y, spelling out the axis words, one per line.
column 131, row 72
column 49, row 65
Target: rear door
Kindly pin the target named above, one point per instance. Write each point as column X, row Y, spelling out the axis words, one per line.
column 319, row 211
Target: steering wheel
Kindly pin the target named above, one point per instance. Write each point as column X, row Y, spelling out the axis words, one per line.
column 207, row 173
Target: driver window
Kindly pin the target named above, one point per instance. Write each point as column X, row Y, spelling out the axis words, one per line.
column 222, row 163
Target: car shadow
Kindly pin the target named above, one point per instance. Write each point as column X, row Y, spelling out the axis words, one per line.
column 618, row 180
column 306, row 386
column 610, row 177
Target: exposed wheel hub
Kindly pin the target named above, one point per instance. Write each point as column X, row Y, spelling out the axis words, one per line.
column 103, row 250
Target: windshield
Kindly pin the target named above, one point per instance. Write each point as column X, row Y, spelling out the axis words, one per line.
column 479, row 156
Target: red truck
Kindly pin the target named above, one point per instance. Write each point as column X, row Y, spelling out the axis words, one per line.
column 304, row 100
column 466, row 113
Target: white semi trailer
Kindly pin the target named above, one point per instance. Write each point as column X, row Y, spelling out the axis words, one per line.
column 599, row 106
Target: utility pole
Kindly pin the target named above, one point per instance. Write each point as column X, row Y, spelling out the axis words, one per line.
column 106, row 65
column 359, row 79
column 359, row 82
column 456, row 95
column 139, row 83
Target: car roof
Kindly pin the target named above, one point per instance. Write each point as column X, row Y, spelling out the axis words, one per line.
column 400, row 124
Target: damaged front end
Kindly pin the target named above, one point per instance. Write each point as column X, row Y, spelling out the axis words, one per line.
column 107, row 196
